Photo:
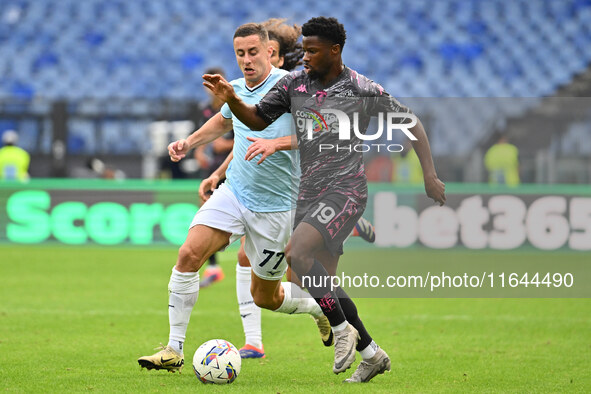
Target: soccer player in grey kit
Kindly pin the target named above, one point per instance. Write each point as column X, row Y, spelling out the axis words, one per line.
column 333, row 187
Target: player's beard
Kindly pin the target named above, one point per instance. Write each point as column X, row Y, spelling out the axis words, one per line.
column 317, row 72
column 312, row 73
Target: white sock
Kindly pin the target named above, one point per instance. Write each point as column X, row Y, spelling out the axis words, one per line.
column 340, row 327
column 297, row 300
column 369, row 351
column 183, row 290
column 249, row 312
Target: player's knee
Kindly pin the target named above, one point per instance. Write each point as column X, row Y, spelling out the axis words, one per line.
column 300, row 260
column 293, row 255
column 189, row 259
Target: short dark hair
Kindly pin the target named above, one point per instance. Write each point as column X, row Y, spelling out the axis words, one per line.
column 326, row 28
column 252, row 29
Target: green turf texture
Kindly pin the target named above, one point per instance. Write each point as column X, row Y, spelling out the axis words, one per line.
column 77, row 319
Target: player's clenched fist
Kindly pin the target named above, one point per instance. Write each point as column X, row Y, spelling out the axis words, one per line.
column 207, row 186
column 178, row 149
column 435, row 189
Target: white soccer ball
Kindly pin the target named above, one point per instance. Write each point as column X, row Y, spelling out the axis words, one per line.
column 217, row 361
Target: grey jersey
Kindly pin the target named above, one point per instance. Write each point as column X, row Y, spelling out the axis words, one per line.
column 328, row 162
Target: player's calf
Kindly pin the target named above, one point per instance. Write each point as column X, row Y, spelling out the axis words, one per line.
column 266, row 294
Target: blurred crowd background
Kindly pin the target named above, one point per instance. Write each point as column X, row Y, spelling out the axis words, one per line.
column 97, row 88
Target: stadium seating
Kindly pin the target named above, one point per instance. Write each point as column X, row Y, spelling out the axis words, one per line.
column 100, row 49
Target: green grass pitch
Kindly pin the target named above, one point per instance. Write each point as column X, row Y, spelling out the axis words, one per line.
column 76, row 320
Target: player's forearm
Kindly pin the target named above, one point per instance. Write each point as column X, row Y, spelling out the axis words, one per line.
column 247, row 114
column 222, row 145
column 285, row 143
column 423, row 150
column 215, row 127
column 221, row 170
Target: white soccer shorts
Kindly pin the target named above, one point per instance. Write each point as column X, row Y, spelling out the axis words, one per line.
column 266, row 233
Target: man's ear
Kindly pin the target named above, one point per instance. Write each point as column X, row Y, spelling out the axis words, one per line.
column 335, row 49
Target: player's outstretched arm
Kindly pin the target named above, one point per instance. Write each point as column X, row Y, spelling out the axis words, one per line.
column 216, row 126
column 224, row 91
column 433, row 186
column 266, row 147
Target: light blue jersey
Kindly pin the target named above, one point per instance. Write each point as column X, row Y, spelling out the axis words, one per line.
column 273, row 185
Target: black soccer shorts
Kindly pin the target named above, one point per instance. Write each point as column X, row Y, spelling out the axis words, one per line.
column 333, row 214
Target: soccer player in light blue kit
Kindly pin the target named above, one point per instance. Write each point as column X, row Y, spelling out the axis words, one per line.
column 255, row 201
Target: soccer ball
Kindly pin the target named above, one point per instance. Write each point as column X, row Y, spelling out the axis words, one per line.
column 217, row 361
